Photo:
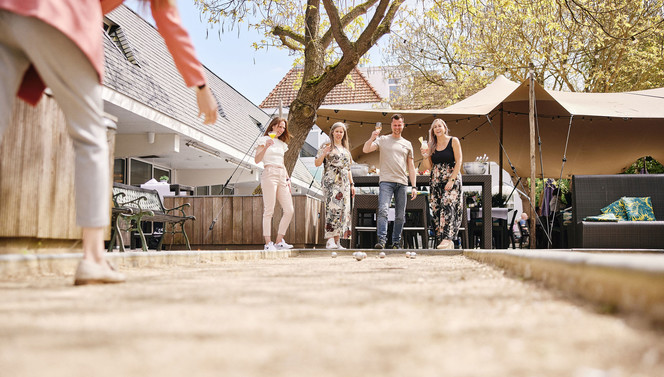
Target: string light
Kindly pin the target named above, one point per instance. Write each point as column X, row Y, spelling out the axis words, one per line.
column 469, row 119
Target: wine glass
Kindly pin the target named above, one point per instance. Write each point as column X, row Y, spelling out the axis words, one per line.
column 423, row 142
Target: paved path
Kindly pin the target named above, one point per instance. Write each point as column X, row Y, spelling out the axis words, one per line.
column 315, row 316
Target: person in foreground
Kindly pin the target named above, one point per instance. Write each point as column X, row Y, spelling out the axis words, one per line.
column 396, row 166
column 58, row 43
column 275, row 182
column 443, row 156
column 338, row 185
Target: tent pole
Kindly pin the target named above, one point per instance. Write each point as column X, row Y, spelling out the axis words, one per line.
column 531, row 119
column 500, row 156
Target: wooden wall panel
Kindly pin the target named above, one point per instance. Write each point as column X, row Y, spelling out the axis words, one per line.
column 37, row 197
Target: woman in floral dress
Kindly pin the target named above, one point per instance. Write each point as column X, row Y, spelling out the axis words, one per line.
column 443, row 155
column 338, row 185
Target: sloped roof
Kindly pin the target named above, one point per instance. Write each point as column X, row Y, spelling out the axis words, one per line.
column 156, row 82
column 355, row 89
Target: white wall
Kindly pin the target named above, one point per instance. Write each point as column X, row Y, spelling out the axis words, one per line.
column 208, row 177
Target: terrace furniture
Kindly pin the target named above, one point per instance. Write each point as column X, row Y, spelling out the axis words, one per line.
column 591, row 193
column 135, row 205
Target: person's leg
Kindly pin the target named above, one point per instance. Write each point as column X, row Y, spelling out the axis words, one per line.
column 286, row 201
column 13, row 64
column 399, row 213
column 75, row 86
column 269, row 181
column 453, row 215
column 385, row 191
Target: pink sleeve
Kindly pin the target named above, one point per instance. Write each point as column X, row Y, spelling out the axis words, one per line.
column 179, row 44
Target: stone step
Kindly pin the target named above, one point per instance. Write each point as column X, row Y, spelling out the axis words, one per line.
column 623, row 282
column 17, row 266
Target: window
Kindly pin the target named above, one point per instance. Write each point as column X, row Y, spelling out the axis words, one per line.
column 119, row 165
column 158, row 173
column 141, row 172
column 217, row 190
column 118, row 37
column 203, row 190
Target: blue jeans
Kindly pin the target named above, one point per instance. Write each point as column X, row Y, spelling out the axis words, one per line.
column 385, row 192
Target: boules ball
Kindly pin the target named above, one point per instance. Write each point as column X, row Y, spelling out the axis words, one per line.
column 334, row 254
column 381, row 254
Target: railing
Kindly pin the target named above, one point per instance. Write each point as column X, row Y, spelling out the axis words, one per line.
column 240, row 221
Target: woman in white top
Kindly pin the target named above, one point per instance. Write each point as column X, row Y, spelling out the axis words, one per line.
column 275, row 181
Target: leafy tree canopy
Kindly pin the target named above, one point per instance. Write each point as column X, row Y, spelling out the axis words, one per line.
column 452, row 48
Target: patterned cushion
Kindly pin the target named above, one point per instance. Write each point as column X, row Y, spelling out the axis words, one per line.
column 638, row 209
column 617, row 208
column 602, row 217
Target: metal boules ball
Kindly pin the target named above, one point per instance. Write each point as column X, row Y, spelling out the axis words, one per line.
column 334, row 254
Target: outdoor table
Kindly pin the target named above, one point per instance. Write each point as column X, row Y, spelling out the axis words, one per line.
column 483, row 180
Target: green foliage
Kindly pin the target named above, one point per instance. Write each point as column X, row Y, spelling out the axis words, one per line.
column 562, row 184
column 645, row 164
column 498, row 201
column 447, row 49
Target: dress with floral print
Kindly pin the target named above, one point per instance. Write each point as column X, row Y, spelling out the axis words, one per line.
column 445, row 205
column 336, row 190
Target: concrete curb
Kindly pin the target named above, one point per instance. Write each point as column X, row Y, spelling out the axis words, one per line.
column 630, row 283
column 17, row 266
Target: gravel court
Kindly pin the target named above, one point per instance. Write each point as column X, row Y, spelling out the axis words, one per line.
column 315, row 316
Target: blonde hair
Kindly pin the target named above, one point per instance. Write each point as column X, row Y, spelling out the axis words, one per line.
column 433, row 139
column 344, row 140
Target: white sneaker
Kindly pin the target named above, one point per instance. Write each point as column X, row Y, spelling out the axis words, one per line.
column 340, row 247
column 331, row 244
column 270, row 247
column 283, row 245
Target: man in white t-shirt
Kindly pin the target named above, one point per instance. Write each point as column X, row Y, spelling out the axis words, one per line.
column 396, row 166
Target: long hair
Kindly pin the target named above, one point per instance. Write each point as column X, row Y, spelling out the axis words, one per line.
column 433, row 139
column 344, row 140
column 285, row 136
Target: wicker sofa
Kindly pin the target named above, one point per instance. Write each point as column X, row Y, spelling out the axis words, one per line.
column 590, row 193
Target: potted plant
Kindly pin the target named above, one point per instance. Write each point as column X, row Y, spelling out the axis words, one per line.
column 163, row 178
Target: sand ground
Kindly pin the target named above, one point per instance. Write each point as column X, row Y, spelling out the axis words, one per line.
column 316, row 316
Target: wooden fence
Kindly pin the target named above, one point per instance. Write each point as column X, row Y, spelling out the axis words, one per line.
column 240, row 221
column 37, row 207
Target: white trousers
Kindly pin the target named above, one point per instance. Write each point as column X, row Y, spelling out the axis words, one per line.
column 75, row 85
column 275, row 187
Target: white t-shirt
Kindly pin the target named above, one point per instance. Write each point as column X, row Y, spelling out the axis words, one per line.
column 394, row 154
column 274, row 154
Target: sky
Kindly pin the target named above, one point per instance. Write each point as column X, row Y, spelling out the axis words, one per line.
column 231, row 57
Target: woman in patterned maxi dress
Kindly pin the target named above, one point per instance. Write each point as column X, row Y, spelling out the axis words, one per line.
column 443, row 154
column 338, row 185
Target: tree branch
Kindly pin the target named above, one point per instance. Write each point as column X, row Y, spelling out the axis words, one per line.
column 285, row 31
column 337, row 28
column 378, row 26
column 349, row 17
